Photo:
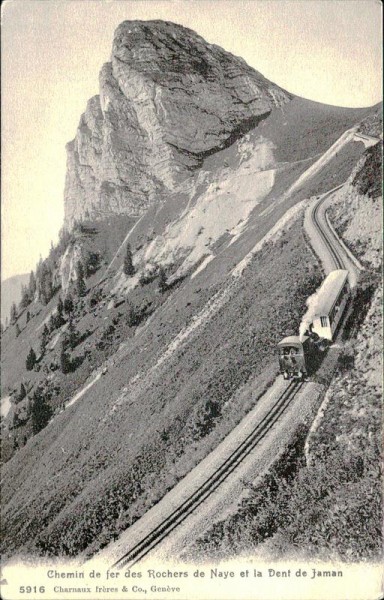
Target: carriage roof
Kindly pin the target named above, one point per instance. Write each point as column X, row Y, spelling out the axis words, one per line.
column 292, row 340
column 330, row 290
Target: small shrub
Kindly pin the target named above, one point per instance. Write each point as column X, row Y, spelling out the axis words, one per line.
column 346, row 360
column 147, row 277
column 106, row 338
column 132, row 315
column 94, row 298
column 92, row 263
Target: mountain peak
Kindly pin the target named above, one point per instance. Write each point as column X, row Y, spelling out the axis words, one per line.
column 167, row 100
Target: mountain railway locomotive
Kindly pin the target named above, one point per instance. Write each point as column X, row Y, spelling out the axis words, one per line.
column 299, row 355
column 296, row 356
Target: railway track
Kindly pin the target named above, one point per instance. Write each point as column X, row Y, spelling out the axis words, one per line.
column 328, row 238
column 188, row 506
column 159, row 533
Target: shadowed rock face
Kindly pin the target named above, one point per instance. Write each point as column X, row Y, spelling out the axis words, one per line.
column 167, row 100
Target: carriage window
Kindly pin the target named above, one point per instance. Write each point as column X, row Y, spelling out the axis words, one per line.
column 289, row 351
column 323, row 321
column 285, row 351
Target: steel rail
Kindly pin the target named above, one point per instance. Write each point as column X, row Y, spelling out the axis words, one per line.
column 162, row 530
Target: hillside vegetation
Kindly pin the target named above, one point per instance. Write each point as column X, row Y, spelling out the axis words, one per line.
column 323, row 498
column 124, row 449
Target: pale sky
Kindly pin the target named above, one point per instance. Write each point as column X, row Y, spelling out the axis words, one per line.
column 52, row 51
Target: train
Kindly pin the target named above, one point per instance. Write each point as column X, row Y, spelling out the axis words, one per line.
column 299, row 355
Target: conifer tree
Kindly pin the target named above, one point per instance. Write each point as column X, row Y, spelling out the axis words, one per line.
column 128, row 262
column 58, row 320
column 28, row 316
column 25, row 299
column 41, row 411
column 60, row 308
column 17, row 331
column 44, row 339
column 65, row 362
column 13, row 313
column 45, row 284
column 32, row 286
column 31, row 360
column 39, row 267
column 162, row 280
column 72, row 334
column 85, row 268
column 22, row 392
column 52, row 323
column 80, row 283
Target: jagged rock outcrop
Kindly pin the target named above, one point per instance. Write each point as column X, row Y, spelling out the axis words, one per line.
column 167, row 100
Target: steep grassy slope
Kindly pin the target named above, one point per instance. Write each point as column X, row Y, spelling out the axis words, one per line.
column 322, row 125
column 118, row 450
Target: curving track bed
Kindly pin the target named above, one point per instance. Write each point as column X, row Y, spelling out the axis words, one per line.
column 329, row 240
column 160, row 532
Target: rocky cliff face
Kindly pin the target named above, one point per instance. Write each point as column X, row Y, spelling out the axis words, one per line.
column 358, row 213
column 167, row 100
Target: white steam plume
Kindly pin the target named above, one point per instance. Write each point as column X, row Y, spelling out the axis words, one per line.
column 306, row 321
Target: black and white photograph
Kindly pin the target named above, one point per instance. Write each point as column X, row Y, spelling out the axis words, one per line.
column 191, row 300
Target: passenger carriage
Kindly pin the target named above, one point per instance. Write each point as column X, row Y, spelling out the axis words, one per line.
column 332, row 298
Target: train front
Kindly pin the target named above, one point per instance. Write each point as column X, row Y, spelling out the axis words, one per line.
column 292, row 359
